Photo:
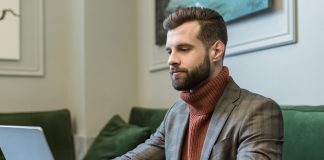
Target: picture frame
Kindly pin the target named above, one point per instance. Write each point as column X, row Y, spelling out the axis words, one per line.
column 31, row 62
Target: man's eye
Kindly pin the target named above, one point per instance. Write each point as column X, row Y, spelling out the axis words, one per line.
column 168, row 51
column 184, row 49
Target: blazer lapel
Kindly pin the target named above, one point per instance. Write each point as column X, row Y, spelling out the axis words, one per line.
column 182, row 124
column 223, row 109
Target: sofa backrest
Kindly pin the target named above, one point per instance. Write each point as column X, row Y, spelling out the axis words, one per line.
column 303, row 132
column 55, row 124
column 147, row 117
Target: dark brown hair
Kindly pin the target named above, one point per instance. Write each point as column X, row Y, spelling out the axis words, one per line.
column 212, row 25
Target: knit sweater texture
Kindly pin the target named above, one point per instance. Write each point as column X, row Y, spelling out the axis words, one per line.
column 201, row 102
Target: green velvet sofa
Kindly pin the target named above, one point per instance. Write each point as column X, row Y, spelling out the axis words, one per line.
column 56, row 125
column 303, row 133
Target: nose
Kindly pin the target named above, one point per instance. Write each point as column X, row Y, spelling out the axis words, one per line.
column 173, row 59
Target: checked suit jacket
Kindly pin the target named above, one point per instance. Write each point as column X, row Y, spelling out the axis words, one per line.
column 244, row 126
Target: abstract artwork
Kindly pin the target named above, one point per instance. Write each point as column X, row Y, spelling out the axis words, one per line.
column 229, row 9
column 9, row 30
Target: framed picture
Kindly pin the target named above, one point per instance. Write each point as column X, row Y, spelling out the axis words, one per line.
column 9, row 29
column 22, row 21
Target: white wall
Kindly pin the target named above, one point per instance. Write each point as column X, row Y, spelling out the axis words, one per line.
column 76, row 76
column 290, row 74
column 110, row 61
column 102, row 68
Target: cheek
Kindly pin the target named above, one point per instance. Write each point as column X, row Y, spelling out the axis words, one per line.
column 196, row 60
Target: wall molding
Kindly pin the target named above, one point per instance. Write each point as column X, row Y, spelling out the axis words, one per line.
column 32, row 42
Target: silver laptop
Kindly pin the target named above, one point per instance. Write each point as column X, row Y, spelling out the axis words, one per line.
column 24, row 143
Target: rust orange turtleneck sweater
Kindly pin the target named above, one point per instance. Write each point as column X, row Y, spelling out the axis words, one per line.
column 201, row 103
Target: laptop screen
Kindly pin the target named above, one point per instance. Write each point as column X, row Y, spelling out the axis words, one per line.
column 22, row 143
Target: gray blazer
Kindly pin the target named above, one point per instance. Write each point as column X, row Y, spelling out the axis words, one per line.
column 244, row 126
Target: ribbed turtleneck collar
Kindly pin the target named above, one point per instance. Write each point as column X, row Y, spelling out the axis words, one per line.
column 203, row 99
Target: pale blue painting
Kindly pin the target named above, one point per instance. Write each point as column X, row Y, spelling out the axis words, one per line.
column 229, row 9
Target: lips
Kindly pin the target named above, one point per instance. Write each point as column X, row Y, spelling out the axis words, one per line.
column 173, row 71
column 176, row 72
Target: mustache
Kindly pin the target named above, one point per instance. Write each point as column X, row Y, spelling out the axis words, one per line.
column 177, row 69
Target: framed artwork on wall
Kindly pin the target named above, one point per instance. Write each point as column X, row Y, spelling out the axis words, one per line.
column 9, row 30
column 22, row 52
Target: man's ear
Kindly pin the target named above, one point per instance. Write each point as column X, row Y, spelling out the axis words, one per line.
column 217, row 51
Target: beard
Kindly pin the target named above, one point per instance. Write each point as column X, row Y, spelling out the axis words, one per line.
column 193, row 78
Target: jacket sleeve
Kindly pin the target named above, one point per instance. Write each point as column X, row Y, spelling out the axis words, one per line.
column 261, row 133
column 152, row 147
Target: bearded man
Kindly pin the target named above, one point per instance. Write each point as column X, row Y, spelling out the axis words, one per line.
column 215, row 119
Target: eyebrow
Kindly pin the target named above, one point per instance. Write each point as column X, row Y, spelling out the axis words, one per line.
column 181, row 45
column 184, row 45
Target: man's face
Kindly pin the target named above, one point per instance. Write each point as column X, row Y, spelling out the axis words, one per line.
column 188, row 58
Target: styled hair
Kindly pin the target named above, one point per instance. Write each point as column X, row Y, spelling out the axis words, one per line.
column 212, row 24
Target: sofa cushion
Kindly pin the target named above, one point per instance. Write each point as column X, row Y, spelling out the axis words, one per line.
column 116, row 138
column 55, row 124
column 303, row 132
column 147, row 117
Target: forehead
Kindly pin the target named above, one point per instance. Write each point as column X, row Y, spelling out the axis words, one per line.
column 185, row 33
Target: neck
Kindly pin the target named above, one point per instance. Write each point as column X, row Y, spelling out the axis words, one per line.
column 213, row 74
column 203, row 98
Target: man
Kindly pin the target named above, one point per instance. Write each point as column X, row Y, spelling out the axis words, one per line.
column 215, row 119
